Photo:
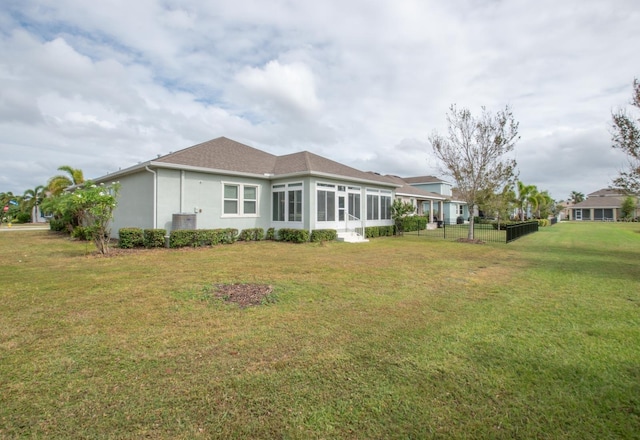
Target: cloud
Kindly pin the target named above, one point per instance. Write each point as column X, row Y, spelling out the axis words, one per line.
column 363, row 83
column 284, row 88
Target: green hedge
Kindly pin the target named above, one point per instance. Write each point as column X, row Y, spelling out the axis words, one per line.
column 318, row 235
column 543, row 222
column 254, row 234
column 293, row 235
column 414, row 223
column 154, row 238
column 503, row 224
column 130, row 238
column 271, row 234
column 202, row 237
column 379, row 231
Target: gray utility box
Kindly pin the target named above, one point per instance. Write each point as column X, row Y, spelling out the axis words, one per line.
column 183, row 221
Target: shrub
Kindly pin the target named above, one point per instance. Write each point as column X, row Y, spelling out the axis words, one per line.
column 154, row 238
column 207, row 237
column 543, row 222
column 271, row 234
column 130, row 238
column 371, row 232
column 182, row 238
column 82, row 233
column 414, row 223
column 253, row 234
column 229, row 235
column 23, row 217
column 379, row 231
column 57, row 225
column 387, row 231
column 202, row 237
column 294, row 235
column 323, row 235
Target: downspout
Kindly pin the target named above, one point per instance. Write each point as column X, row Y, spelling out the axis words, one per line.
column 182, row 191
column 155, row 201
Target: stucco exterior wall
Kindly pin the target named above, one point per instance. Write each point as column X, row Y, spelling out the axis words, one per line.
column 135, row 202
column 188, row 192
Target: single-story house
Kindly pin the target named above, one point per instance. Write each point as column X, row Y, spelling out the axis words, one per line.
column 602, row 205
column 226, row 184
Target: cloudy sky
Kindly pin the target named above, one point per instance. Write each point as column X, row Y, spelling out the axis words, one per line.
column 103, row 85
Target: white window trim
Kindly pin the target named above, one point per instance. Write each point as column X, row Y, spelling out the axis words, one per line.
column 241, row 200
column 285, row 188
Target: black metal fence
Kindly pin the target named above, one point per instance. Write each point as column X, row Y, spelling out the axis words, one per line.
column 518, row 230
column 482, row 231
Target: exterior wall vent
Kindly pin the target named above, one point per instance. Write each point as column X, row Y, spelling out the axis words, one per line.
column 183, row 221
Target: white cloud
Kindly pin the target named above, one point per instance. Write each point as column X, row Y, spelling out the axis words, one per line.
column 285, row 88
column 360, row 82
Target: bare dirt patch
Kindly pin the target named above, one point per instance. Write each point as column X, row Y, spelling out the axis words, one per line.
column 244, row 295
column 466, row 240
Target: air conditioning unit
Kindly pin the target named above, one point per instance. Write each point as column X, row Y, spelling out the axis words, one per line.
column 183, row 221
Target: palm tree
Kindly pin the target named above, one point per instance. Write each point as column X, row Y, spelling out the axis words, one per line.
column 576, row 197
column 526, row 198
column 545, row 204
column 31, row 198
column 59, row 183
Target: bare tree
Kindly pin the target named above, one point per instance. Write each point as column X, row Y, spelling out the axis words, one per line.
column 626, row 137
column 475, row 153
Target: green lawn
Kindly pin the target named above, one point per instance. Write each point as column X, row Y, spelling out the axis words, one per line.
column 397, row 338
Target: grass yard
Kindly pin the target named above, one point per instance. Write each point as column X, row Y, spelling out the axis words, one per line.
column 397, row 338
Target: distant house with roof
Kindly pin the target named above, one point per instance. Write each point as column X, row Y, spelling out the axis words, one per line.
column 602, row 205
column 226, row 184
column 450, row 206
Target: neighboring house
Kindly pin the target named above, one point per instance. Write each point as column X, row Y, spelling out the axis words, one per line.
column 426, row 203
column 225, row 184
column 449, row 208
column 602, row 205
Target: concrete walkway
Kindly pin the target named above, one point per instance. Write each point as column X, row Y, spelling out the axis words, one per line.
column 24, row 227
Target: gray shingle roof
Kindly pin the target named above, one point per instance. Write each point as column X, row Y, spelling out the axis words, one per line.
column 406, row 189
column 223, row 154
column 422, row 179
column 603, row 198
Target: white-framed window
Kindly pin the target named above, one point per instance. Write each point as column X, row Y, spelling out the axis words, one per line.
column 378, row 204
column 460, row 209
column 373, row 204
column 287, row 202
column 239, row 199
column 326, row 202
column 385, row 207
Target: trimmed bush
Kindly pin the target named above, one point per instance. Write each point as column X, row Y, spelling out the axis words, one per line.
column 318, row 235
column 379, row 231
column 154, row 238
column 293, row 235
column 182, row 238
column 253, row 234
column 271, row 234
column 414, row 223
column 129, row 238
column 229, row 235
column 202, row 237
column 371, row 232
